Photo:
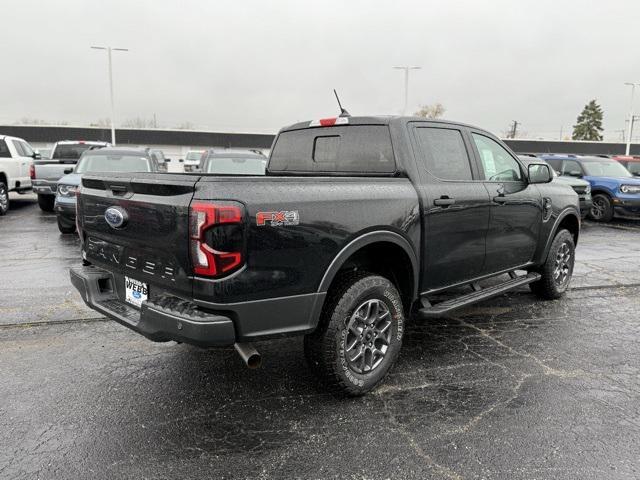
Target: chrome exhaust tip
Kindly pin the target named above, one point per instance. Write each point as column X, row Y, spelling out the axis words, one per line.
column 249, row 355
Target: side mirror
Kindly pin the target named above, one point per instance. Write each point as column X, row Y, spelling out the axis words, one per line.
column 67, row 171
column 167, row 160
column 36, row 156
column 539, row 173
column 575, row 173
column 181, row 160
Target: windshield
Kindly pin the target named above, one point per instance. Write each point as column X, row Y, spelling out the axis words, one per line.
column 70, row 152
column 236, row 166
column 113, row 163
column 193, row 156
column 605, row 169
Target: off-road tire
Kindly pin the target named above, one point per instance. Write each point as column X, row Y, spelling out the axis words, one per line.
column 325, row 348
column 4, row 198
column 65, row 226
column 601, row 208
column 548, row 286
column 46, row 202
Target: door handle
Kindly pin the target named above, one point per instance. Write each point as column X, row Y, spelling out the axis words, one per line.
column 444, row 201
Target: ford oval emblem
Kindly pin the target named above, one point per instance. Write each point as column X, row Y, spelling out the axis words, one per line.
column 116, row 217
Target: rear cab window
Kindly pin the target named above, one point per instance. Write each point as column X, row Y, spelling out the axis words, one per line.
column 339, row 149
column 69, row 152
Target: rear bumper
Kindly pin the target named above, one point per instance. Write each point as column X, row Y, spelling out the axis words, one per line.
column 168, row 318
column 45, row 187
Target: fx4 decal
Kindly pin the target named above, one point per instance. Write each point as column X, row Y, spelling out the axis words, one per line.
column 277, row 219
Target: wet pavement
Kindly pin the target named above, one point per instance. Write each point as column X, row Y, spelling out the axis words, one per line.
column 513, row 388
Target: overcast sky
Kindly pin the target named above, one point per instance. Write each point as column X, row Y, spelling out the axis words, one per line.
column 255, row 66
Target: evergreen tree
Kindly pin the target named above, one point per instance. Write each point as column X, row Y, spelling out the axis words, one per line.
column 589, row 123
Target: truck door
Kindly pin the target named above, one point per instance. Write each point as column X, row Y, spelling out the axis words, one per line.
column 455, row 205
column 9, row 162
column 23, row 160
column 516, row 206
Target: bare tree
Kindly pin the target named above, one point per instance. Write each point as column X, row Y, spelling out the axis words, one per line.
column 31, row 121
column 138, row 122
column 435, row 110
column 186, row 126
column 101, row 122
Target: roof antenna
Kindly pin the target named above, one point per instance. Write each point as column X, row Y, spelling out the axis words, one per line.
column 343, row 112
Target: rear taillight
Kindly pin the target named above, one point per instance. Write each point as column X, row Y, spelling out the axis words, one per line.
column 204, row 221
column 32, row 171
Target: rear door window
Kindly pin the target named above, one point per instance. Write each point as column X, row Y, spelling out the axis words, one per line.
column 445, row 154
column 344, row 149
column 4, row 150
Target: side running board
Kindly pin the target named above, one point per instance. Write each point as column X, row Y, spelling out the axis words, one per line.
column 442, row 308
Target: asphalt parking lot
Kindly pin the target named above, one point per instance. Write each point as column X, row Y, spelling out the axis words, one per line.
column 512, row 388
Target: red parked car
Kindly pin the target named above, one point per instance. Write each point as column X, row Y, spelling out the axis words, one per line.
column 630, row 162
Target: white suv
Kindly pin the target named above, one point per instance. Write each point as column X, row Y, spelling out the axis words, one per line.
column 16, row 158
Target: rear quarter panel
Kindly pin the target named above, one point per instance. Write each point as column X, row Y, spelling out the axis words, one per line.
column 292, row 259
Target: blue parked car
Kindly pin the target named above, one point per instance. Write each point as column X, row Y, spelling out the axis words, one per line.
column 110, row 159
column 613, row 188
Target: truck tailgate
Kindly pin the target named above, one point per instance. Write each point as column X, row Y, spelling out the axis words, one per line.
column 152, row 244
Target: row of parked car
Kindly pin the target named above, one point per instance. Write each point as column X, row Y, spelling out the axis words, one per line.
column 55, row 179
column 606, row 185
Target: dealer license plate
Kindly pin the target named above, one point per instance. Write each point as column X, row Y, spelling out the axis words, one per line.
column 136, row 291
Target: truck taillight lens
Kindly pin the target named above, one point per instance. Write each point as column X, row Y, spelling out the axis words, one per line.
column 214, row 244
column 32, row 171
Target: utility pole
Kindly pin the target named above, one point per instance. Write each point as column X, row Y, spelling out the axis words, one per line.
column 633, row 87
column 406, row 85
column 109, row 50
column 514, row 129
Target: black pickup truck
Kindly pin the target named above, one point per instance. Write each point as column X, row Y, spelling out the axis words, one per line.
column 358, row 223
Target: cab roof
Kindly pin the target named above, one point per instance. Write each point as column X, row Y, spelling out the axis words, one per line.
column 370, row 120
column 144, row 152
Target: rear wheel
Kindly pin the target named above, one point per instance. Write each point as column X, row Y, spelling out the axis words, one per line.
column 66, row 226
column 46, row 202
column 359, row 335
column 558, row 268
column 602, row 208
column 4, row 198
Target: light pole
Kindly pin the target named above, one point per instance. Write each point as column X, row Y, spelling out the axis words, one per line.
column 406, row 85
column 633, row 87
column 109, row 50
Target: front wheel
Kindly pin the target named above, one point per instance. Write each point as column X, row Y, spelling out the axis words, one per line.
column 65, row 226
column 557, row 270
column 601, row 209
column 4, row 198
column 359, row 335
column 46, row 202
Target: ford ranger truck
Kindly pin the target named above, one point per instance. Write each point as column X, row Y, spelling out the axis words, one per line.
column 359, row 223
